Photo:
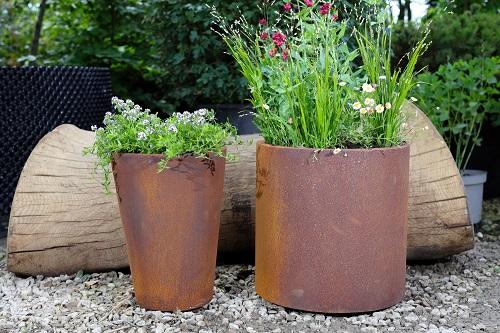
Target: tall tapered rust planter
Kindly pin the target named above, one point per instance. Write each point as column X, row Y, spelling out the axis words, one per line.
column 331, row 228
column 171, row 224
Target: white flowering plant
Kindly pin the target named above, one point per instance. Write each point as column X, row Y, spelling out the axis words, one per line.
column 132, row 129
column 383, row 95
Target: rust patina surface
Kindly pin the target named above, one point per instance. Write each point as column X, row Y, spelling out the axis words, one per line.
column 171, row 223
column 331, row 228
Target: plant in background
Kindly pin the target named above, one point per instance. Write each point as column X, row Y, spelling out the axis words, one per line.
column 454, row 37
column 134, row 130
column 458, row 98
column 303, row 87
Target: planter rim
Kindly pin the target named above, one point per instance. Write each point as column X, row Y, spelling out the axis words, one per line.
column 180, row 157
column 361, row 150
column 473, row 177
column 473, row 172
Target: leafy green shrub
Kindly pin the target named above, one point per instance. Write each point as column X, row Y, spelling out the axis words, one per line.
column 15, row 33
column 196, row 70
column 453, row 37
column 134, row 130
column 458, row 98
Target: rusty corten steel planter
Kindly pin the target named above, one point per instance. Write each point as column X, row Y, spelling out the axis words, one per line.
column 331, row 228
column 171, row 223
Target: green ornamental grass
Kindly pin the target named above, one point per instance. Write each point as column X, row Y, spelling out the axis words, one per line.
column 130, row 129
column 305, row 86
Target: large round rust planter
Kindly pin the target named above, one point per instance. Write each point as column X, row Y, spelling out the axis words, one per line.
column 331, row 228
column 171, row 224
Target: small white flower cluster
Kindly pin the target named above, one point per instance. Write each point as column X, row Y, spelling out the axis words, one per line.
column 150, row 124
column 198, row 117
column 130, row 110
column 370, row 106
column 108, row 119
column 173, row 128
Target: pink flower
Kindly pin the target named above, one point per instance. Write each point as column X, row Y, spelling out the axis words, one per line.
column 279, row 38
column 264, row 35
column 272, row 52
column 335, row 17
column 287, row 7
column 309, row 3
column 325, row 8
column 284, row 55
column 263, row 21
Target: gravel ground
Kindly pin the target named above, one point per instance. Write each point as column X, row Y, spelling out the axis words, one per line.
column 461, row 294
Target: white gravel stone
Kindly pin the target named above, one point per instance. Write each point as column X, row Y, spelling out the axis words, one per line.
column 459, row 295
column 411, row 317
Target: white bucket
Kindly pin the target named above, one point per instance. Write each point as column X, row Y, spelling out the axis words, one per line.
column 474, row 181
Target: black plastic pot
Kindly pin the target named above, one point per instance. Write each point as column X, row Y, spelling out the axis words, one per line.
column 239, row 115
column 487, row 157
column 35, row 100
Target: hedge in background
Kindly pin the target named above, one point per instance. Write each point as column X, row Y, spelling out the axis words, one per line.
column 453, row 37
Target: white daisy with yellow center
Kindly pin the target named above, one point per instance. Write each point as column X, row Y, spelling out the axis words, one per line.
column 368, row 88
column 370, row 101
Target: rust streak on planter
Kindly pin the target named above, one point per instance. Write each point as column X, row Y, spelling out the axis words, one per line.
column 171, row 224
column 331, row 228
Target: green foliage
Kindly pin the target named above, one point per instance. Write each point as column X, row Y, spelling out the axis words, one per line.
column 105, row 33
column 195, row 68
column 87, row 33
column 392, row 86
column 15, row 33
column 464, row 36
column 458, row 98
column 134, row 130
column 303, row 86
column 460, row 6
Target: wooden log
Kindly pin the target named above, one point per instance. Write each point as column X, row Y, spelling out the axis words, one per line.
column 62, row 222
column 438, row 220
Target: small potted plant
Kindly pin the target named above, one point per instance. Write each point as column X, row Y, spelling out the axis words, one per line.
column 333, row 171
column 458, row 99
column 169, row 178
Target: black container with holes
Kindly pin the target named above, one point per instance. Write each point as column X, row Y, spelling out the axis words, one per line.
column 35, row 100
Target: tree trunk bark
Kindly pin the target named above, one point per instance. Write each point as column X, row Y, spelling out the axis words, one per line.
column 401, row 15
column 38, row 28
column 408, row 10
